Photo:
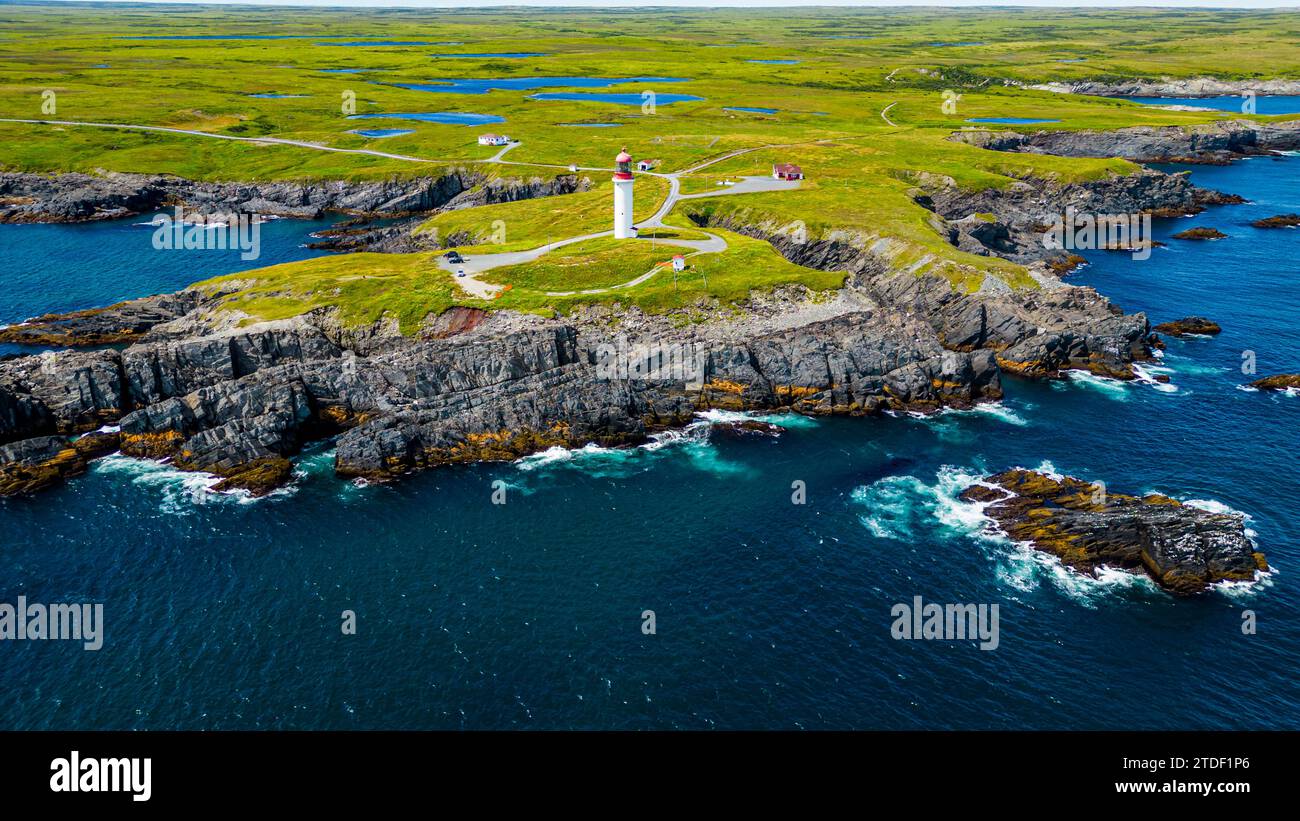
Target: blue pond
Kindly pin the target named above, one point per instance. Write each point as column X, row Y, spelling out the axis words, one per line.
column 507, row 54
column 364, row 43
column 1012, row 120
column 621, row 99
column 382, row 132
column 224, row 37
column 484, row 85
column 1276, row 104
column 444, row 117
column 751, row 110
column 775, row 62
column 280, row 96
column 345, row 70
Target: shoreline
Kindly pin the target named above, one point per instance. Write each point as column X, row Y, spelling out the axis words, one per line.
column 237, row 401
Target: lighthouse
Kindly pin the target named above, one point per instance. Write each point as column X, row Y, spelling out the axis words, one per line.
column 623, row 196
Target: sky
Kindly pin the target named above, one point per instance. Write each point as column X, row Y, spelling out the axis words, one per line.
column 1214, row 4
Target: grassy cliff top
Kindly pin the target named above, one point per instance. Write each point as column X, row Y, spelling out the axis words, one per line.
column 863, row 99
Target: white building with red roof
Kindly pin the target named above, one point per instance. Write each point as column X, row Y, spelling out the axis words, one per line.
column 786, row 171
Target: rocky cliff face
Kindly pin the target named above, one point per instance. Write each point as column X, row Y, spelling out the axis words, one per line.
column 84, row 197
column 1183, row 548
column 1170, row 87
column 1217, row 142
column 1034, row 333
column 474, row 385
column 237, row 404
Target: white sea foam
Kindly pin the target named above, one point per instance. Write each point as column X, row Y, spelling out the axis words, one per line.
column 899, row 506
column 692, row 441
column 784, row 420
column 1113, row 387
column 1146, row 375
column 180, row 490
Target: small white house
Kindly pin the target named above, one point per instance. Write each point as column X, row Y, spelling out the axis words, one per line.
column 786, row 171
column 679, row 263
column 646, row 165
column 493, row 139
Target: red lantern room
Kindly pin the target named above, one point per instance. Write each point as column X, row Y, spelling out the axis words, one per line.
column 623, row 167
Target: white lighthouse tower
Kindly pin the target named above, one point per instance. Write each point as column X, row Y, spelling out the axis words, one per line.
column 623, row 197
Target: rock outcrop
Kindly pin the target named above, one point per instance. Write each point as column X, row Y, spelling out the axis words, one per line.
column 38, row 463
column 116, row 324
column 1033, row 332
column 1183, row 548
column 1280, row 221
column 78, row 197
column 1279, row 382
column 239, row 403
column 1171, row 87
column 1201, row 233
column 1189, row 325
column 1217, row 142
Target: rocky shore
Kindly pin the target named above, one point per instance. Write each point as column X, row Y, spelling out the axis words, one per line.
column 195, row 387
column 1170, row 87
column 1279, row 382
column 66, row 198
column 1215, row 143
column 1191, row 325
column 1184, row 549
column 238, row 404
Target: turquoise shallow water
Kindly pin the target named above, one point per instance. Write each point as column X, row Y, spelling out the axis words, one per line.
column 225, row 613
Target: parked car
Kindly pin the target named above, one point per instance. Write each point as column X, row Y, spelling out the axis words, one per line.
column 460, row 272
column 453, row 257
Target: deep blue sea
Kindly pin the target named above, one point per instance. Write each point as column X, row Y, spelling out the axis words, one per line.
column 58, row 268
column 1264, row 104
column 225, row 613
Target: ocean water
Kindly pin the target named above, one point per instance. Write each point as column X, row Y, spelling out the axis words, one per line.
column 1264, row 104
column 223, row 612
column 58, row 268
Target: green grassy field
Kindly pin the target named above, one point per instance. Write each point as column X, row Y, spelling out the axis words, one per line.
column 851, row 65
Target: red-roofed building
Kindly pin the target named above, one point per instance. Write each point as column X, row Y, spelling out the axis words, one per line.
column 787, row 171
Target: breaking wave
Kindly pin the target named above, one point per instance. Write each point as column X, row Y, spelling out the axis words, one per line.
column 180, row 491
